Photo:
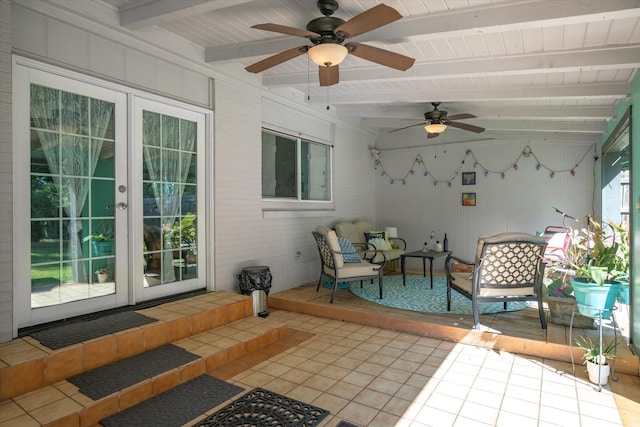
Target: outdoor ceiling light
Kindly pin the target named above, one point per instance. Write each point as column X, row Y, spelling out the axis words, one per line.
column 435, row 128
column 328, row 54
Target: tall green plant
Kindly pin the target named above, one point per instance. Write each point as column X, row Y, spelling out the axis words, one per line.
column 600, row 253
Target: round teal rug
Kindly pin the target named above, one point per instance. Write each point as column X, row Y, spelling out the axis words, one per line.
column 417, row 295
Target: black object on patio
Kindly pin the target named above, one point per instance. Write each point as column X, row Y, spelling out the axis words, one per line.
column 256, row 281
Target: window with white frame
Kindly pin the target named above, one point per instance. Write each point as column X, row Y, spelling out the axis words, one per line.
column 295, row 169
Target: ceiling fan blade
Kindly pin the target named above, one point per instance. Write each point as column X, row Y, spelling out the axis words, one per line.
column 407, row 127
column 283, row 29
column 380, row 56
column 368, row 20
column 329, row 75
column 432, row 135
column 466, row 126
column 461, row 116
column 276, row 59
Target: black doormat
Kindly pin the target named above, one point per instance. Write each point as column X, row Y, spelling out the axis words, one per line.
column 83, row 330
column 346, row 424
column 103, row 381
column 262, row 407
column 177, row 406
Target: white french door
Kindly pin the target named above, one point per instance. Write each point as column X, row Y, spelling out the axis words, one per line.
column 107, row 186
column 168, row 165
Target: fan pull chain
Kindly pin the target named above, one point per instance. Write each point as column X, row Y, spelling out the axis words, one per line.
column 308, row 78
column 328, row 97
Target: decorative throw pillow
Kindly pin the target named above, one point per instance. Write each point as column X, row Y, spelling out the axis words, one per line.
column 380, row 244
column 371, row 235
column 348, row 251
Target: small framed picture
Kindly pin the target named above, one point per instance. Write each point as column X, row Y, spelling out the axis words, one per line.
column 468, row 178
column 468, row 199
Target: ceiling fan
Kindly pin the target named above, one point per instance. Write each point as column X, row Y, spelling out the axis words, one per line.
column 327, row 35
column 437, row 121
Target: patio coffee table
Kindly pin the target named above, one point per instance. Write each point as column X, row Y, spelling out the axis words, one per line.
column 430, row 255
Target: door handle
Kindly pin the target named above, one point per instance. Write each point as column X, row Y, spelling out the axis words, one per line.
column 122, row 206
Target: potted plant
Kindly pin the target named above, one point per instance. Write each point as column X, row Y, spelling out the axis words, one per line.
column 182, row 236
column 560, row 300
column 102, row 274
column 101, row 242
column 600, row 256
column 558, row 291
column 596, row 359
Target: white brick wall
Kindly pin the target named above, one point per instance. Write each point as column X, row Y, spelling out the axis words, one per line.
column 6, row 179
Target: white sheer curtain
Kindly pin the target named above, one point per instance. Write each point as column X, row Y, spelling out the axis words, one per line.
column 168, row 144
column 71, row 129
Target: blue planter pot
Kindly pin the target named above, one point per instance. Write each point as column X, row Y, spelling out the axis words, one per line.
column 623, row 293
column 593, row 299
column 102, row 248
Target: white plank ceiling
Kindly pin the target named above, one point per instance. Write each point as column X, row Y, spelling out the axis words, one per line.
column 539, row 69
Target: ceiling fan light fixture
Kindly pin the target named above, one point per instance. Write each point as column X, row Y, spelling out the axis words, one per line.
column 435, row 128
column 328, row 54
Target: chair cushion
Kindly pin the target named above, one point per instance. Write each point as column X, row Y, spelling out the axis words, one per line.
column 464, row 280
column 360, row 269
column 353, row 231
column 557, row 245
column 479, row 247
column 332, row 240
column 391, row 255
column 321, row 229
column 362, row 227
column 348, row 251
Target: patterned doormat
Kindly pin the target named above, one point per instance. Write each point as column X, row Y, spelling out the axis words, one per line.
column 417, row 295
column 262, row 407
column 77, row 331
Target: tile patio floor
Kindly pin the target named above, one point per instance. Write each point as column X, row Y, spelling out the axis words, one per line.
column 377, row 377
column 374, row 376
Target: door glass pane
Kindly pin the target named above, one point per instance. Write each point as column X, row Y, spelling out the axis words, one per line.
column 72, row 195
column 170, row 202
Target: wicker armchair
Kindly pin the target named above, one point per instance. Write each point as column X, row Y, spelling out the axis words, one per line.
column 508, row 267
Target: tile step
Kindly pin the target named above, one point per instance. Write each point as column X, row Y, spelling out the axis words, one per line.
column 61, row 404
column 37, row 365
column 177, row 406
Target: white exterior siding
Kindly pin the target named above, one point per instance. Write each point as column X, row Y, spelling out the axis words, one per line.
column 6, row 175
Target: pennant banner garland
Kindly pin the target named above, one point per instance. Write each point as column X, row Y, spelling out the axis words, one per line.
column 527, row 153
